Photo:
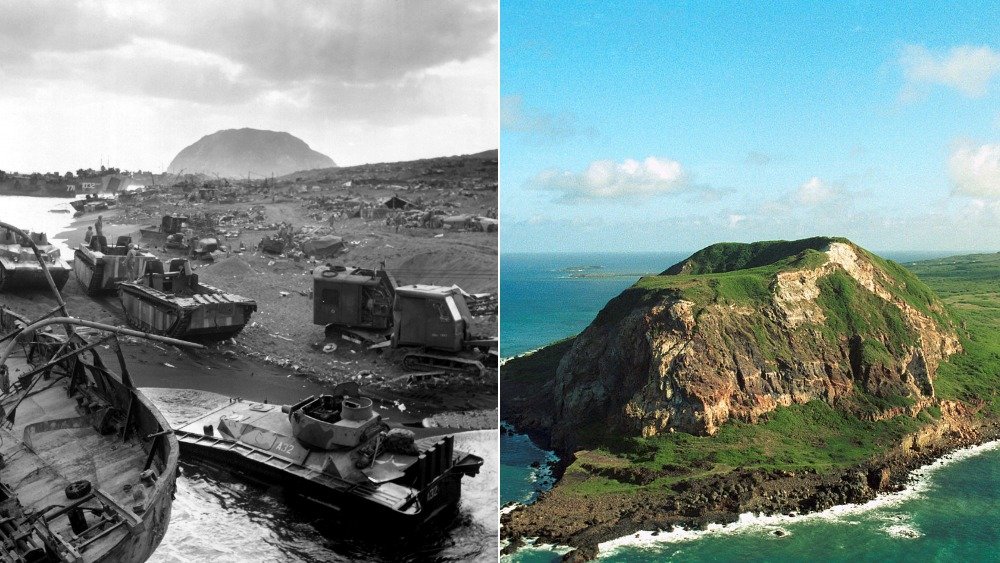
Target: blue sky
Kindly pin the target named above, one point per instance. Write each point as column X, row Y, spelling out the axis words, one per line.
column 670, row 125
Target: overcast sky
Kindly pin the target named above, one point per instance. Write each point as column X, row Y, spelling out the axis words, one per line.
column 675, row 125
column 134, row 82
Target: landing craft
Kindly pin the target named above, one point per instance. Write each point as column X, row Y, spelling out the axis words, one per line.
column 88, row 466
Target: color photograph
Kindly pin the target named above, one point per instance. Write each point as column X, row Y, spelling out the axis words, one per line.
column 749, row 281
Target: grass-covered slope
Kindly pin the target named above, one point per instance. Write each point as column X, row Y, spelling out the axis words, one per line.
column 731, row 256
column 814, row 436
column 970, row 289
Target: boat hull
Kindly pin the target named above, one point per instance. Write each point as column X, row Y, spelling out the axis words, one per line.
column 45, row 423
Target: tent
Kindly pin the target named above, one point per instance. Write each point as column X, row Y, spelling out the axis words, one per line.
column 396, row 202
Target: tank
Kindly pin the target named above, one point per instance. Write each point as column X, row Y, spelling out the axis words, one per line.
column 89, row 465
column 100, row 268
column 19, row 269
column 172, row 302
column 335, row 450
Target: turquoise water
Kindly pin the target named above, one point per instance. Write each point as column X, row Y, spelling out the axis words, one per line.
column 950, row 513
column 547, row 297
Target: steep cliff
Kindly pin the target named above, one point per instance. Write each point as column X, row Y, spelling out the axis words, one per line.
column 733, row 332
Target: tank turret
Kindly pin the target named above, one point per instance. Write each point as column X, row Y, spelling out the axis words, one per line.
column 329, row 422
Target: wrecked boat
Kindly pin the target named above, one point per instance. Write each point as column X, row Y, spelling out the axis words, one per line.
column 172, row 302
column 91, row 204
column 88, row 466
column 21, row 257
column 100, row 268
column 336, row 451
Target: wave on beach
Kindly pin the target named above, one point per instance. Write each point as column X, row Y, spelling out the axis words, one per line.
column 920, row 482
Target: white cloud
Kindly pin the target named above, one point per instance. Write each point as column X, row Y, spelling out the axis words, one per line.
column 814, row 192
column 966, row 68
column 736, row 219
column 605, row 179
column 358, row 81
column 975, row 171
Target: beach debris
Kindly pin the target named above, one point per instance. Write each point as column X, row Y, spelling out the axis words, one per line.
column 169, row 365
column 329, row 348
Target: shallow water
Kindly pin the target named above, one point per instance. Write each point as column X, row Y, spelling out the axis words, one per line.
column 35, row 214
column 218, row 518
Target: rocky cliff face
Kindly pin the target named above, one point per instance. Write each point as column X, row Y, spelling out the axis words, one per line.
column 689, row 352
column 236, row 152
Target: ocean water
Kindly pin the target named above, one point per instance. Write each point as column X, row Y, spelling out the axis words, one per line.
column 951, row 511
column 548, row 297
column 40, row 214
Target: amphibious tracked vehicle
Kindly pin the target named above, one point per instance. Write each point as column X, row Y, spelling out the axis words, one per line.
column 172, row 302
column 100, row 268
column 335, row 450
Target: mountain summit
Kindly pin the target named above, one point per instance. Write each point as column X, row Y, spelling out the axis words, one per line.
column 735, row 331
column 238, row 152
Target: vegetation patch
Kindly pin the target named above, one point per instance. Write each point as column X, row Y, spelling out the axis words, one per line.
column 852, row 310
column 732, row 256
column 809, row 436
column 970, row 289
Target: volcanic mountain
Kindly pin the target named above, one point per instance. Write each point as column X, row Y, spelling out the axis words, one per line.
column 732, row 333
column 238, row 152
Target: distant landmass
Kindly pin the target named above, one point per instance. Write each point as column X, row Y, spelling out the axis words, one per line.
column 235, row 153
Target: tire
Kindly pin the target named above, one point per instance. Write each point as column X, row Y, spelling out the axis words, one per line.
column 78, row 489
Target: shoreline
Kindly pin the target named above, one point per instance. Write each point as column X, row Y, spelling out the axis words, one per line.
column 906, row 482
column 919, row 480
column 742, row 497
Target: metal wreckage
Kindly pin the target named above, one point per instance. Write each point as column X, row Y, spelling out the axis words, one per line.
column 88, row 465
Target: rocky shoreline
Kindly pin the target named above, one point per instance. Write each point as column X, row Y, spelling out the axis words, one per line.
column 585, row 523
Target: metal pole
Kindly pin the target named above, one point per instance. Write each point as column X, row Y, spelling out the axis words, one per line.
column 109, row 328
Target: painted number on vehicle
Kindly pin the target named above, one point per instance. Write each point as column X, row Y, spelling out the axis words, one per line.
column 432, row 492
column 284, row 448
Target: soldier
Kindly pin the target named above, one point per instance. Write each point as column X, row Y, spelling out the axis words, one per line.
column 130, row 262
column 99, row 226
column 88, row 235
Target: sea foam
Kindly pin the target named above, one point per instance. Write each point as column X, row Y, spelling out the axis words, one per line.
column 919, row 483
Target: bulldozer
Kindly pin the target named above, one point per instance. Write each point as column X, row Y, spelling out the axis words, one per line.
column 430, row 323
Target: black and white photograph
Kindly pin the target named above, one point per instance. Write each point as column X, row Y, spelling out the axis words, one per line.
column 249, row 281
